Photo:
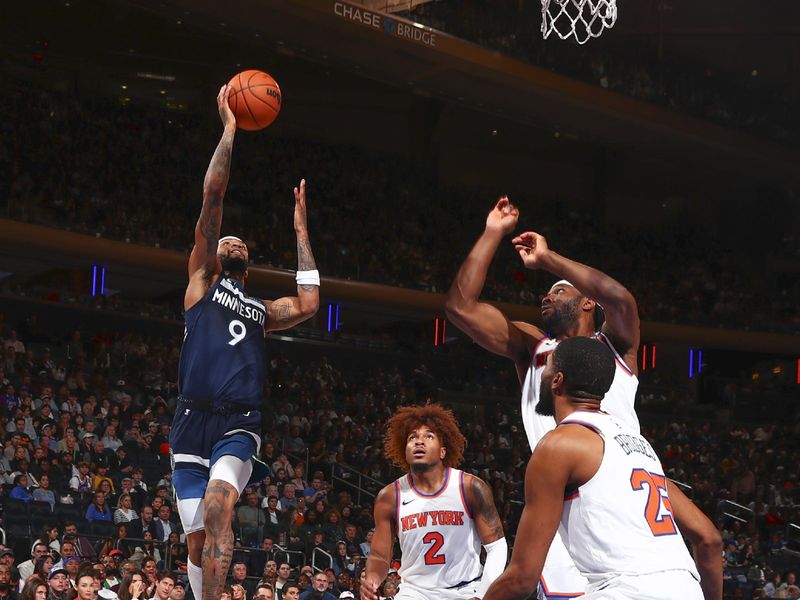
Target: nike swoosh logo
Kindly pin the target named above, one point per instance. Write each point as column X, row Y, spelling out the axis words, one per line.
column 408, row 501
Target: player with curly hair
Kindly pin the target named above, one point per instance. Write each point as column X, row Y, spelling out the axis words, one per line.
column 440, row 515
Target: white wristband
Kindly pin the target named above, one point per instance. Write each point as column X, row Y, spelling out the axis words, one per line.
column 307, row 277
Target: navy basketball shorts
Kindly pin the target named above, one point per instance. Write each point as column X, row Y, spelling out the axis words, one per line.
column 204, row 446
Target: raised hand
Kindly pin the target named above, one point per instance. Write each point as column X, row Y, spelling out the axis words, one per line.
column 225, row 112
column 300, row 217
column 532, row 248
column 503, row 217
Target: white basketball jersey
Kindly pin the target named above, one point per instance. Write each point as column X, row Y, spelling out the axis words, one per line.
column 440, row 544
column 620, row 521
column 618, row 401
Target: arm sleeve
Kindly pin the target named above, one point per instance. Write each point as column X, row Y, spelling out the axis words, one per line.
column 496, row 557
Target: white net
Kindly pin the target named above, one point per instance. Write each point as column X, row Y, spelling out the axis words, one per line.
column 579, row 19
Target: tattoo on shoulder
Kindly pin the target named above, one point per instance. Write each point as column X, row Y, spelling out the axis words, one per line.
column 485, row 508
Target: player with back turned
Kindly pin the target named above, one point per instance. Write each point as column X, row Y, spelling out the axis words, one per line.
column 599, row 483
column 583, row 302
column 217, row 426
column 440, row 515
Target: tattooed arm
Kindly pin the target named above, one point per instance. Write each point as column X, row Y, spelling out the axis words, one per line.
column 203, row 262
column 490, row 530
column 291, row 310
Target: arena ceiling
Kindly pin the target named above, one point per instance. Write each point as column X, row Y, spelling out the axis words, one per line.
column 168, row 46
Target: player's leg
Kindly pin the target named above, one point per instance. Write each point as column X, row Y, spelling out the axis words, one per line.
column 191, row 455
column 230, row 472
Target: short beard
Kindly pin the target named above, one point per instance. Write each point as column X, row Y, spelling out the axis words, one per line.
column 546, row 405
column 234, row 265
column 562, row 317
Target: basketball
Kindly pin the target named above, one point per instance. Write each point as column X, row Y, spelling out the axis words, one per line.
column 255, row 99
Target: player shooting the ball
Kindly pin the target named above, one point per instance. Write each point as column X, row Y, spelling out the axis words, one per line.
column 217, row 425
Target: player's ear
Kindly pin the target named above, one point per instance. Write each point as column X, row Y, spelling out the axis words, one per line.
column 588, row 305
column 442, row 452
column 557, row 383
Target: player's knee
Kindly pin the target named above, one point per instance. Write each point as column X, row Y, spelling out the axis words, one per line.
column 218, row 505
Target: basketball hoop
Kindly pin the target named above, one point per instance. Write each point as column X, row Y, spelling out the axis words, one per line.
column 579, row 19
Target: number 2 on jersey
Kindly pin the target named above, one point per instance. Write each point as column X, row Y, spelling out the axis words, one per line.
column 655, row 483
column 437, row 541
column 238, row 332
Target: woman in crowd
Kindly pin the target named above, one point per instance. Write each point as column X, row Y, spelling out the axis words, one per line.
column 125, row 512
column 132, row 587
column 49, row 535
column 238, row 592
column 150, row 570
column 85, row 588
column 117, row 542
column 35, row 589
column 42, row 566
column 43, row 493
column 98, row 510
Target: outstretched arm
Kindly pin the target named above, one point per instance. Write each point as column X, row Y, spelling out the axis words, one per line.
column 704, row 537
column 485, row 323
column 619, row 305
column 380, row 555
column 203, row 259
column 490, row 530
column 291, row 310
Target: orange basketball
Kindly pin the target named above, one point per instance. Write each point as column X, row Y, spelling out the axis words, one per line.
column 255, row 99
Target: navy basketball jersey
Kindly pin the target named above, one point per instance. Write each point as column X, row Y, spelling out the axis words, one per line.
column 223, row 358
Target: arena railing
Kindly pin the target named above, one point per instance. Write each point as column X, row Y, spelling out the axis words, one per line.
column 358, row 485
column 319, row 551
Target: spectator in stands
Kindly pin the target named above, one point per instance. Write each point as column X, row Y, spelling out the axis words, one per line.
column 86, row 585
column 166, row 582
column 274, row 525
column 118, row 542
column 150, row 571
column 132, row 587
column 57, row 583
column 319, row 589
column 239, row 577
column 35, row 589
column 6, row 586
column 298, row 480
column 238, row 593
column 284, row 572
column 366, row 545
column 26, row 568
column 163, row 524
column 146, row 523
column 49, row 536
column 72, row 566
column 81, row 481
column 20, row 490
column 43, row 493
column 258, row 560
column 82, row 547
column 291, row 591
column 251, row 520
column 332, row 528
column 179, row 591
column 125, row 512
column 264, row 591
column 98, row 510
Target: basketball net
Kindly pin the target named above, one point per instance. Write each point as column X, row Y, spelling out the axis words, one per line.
column 579, row 19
